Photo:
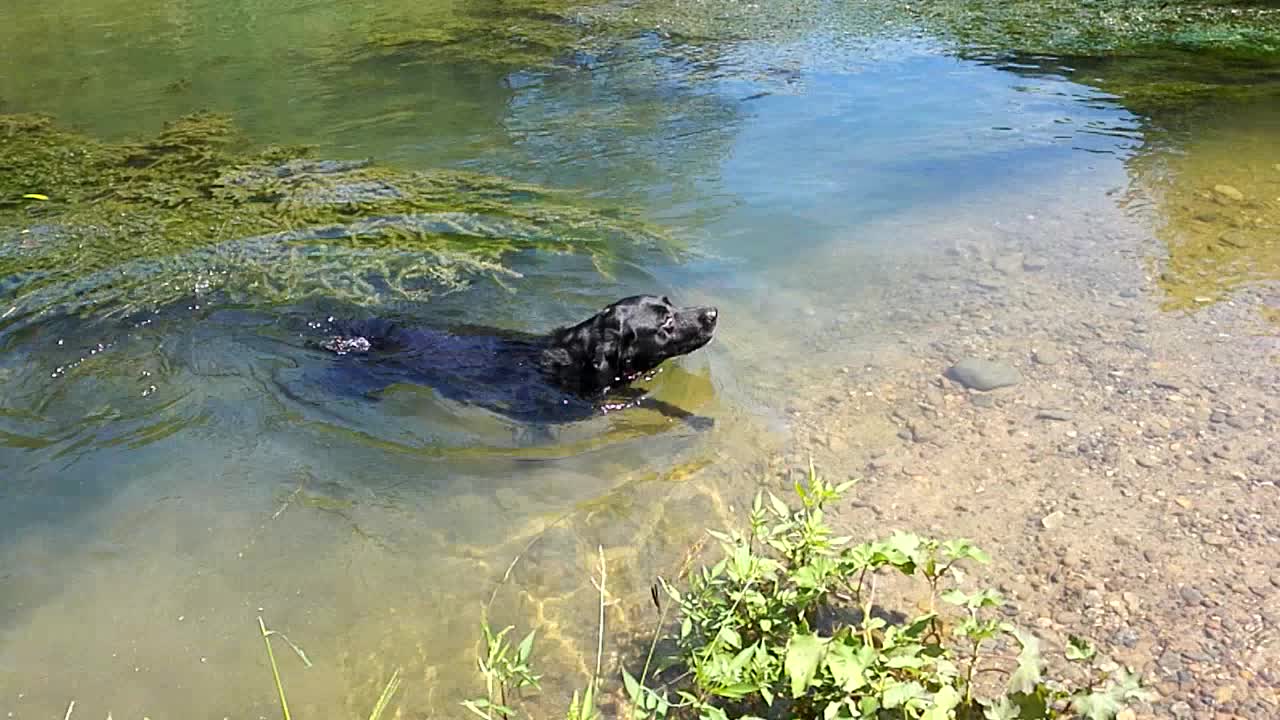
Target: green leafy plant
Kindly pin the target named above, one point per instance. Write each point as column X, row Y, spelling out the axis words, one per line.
column 505, row 669
column 785, row 624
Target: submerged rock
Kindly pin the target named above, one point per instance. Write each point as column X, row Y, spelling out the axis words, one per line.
column 983, row 375
column 1228, row 192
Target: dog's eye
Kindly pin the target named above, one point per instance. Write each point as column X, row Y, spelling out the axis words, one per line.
column 669, row 323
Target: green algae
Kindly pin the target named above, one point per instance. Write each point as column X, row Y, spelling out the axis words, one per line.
column 130, row 225
column 1101, row 27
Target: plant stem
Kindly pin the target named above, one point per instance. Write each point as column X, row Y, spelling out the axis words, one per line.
column 275, row 670
column 604, row 573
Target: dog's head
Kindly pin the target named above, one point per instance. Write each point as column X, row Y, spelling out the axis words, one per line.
column 631, row 337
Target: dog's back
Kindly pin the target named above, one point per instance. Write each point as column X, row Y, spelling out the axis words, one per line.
column 496, row 369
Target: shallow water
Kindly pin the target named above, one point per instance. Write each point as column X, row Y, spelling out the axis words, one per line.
column 170, row 474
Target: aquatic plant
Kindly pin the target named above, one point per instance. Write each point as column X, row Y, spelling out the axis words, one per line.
column 89, row 226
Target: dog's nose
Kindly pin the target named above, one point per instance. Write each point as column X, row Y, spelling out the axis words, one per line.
column 709, row 316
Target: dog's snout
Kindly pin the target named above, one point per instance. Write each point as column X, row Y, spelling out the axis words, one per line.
column 709, row 316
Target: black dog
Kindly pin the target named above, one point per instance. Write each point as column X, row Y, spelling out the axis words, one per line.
column 569, row 374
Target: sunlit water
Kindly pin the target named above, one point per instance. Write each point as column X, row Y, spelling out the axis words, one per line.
column 170, row 477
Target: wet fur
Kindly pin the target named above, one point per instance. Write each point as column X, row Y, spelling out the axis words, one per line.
column 565, row 375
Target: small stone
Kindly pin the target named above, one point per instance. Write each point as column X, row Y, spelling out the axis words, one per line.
column 1182, row 502
column 1147, row 462
column 983, row 375
column 1131, row 601
column 983, row 401
column 1046, row 356
column 1170, row 662
column 1052, row 414
column 1053, row 520
column 1228, row 192
column 1008, row 264
column 1215, row 540
column 1181, row 710
column 1127, row 714
column 1190, row 595
column 1034, row 264
column 1218, row 417
column 1092, row 599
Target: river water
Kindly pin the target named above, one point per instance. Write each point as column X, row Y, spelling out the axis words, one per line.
column 166, row 482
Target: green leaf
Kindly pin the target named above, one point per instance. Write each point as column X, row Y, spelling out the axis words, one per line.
column 526, row 647
column 804, row 654
column 945, row 701
column 919, row 625
column 729, row 637
column 955, row 597
column 711, row 712
column 1096, row 705
column 1105, row 703
column 847, row 667
column 898, row 694
column 808, row 578
column 899, row 662
column 779, row 508
column 985, row 598
column 741, row 659
column 1027, row 676
column 1003, row 710
column 631, row 684
column 736, row 691
column 1079, row 648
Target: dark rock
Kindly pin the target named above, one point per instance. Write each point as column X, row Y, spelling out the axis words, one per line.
column 1190, row 595
column 1051, row 414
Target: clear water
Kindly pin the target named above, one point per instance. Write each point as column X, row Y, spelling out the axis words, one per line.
column 162, row 492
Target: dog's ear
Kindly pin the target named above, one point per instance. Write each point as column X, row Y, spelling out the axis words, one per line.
column 609, row 354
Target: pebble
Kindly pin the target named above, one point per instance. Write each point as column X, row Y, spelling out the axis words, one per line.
column 1052, row 414
column 983, row 401
column 1046, row 356
column 1034, row 264
column 1217, row 416
column 1238, row 422
column 1147, row 462
column 1053, row 520
column 1228, row 192
column 1214, row 539
column 1190, row 595
column 979, row 374
column 1008, row 264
